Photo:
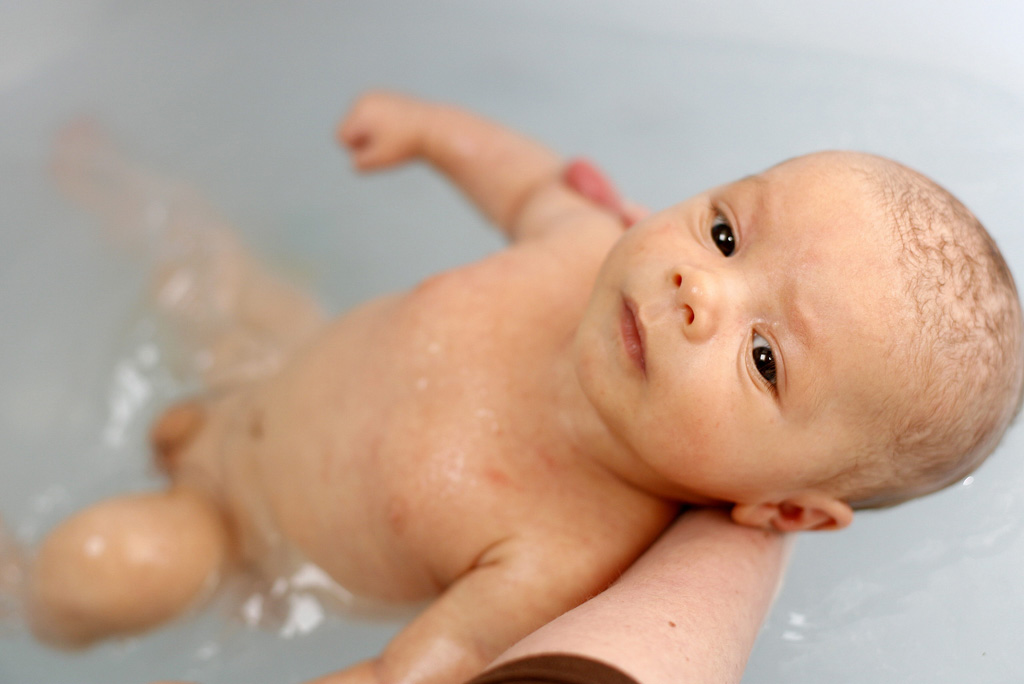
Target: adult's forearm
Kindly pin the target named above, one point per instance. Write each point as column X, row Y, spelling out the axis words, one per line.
column 687, row 612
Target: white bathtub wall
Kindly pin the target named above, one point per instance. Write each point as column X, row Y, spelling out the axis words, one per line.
column 671, row 97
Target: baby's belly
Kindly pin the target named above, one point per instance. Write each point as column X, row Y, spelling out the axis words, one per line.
column 303, row 480
column 375, row 462
column 313, row 516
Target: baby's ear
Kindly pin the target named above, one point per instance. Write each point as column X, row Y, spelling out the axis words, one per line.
column 811, row 510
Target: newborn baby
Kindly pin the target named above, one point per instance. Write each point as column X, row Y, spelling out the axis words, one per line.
column 833, row 333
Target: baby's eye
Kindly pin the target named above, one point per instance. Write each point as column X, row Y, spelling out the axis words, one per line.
column 721, row 234
column 764, row 359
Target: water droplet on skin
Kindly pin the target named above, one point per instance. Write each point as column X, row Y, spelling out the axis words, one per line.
column 95, row 546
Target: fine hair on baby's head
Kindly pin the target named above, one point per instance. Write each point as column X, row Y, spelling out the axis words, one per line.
column 958, row 347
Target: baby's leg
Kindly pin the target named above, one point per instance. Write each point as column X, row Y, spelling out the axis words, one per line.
column 234, row 319
column 124, row 565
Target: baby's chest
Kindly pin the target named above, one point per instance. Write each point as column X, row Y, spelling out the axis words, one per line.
column 445, row 498
column 411, row 472
column 408, row 438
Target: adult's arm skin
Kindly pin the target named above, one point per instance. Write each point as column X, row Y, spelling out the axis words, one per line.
column 687, row 612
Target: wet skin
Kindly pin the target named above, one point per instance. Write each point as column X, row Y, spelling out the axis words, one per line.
column 402, row 449
column 510, row 435
column 413, row 415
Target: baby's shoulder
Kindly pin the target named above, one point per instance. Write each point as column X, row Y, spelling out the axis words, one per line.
column 578, row 226
column 579, row 246
column 562, row 258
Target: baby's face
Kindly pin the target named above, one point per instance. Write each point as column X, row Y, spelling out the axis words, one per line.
column 737, row 342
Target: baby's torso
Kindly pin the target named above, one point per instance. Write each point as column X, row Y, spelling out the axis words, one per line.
column 413, row 433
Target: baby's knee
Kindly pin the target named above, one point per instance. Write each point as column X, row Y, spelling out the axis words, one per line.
column 124, row 565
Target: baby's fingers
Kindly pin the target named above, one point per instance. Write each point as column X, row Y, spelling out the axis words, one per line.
column 382, row 130
column 585, row 178
column 358, row 134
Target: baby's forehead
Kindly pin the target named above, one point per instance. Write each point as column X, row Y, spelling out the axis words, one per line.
column 822, row 195
column 853, row 175
column 831, row 161
column 831, row 266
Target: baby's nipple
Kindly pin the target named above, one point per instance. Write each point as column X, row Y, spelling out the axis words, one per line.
column 124, row 565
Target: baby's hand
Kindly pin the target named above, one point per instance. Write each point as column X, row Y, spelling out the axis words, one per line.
column 383, row 129
column 588, row 180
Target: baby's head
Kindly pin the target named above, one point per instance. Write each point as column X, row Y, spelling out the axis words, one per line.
column 836, row 332
column 959, row 358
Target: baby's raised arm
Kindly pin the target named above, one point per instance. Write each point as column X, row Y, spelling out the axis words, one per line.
column 516, row 182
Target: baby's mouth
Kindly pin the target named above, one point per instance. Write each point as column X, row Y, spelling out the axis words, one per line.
column 632, row 334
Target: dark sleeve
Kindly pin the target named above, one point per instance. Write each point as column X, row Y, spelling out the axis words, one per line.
column 554, row 669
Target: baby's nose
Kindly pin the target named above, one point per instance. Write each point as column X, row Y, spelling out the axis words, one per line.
column 698, row 296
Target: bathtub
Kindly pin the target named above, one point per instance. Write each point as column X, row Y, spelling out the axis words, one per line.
column 670, row 98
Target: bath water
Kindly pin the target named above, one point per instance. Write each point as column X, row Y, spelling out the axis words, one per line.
column 669, row 99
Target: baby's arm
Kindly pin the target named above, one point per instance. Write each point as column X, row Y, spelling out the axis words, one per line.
column 513, row 589
column 517, row 183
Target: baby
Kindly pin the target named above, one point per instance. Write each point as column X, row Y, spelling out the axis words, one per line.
column 834, row 333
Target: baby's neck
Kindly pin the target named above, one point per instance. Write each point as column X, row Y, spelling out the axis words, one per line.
column 573, row 421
